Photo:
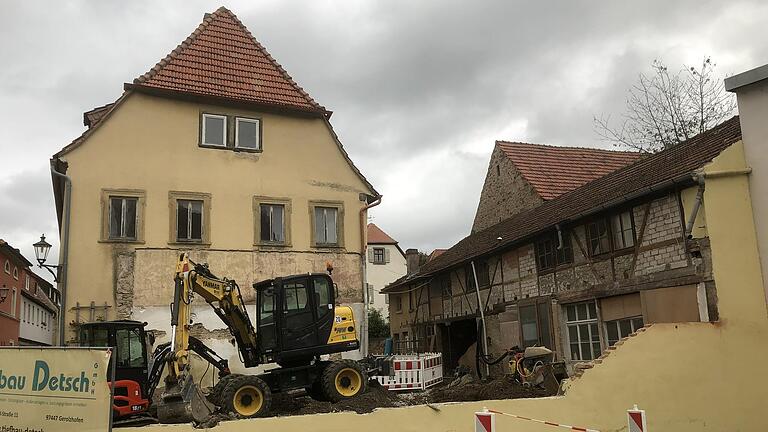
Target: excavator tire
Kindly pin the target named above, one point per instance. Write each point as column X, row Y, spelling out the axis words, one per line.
column 315, row 391
column 246, row 396
column 214, row 396
column 343, row 379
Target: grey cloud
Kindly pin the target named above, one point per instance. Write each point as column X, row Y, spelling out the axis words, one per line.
column 414, row 85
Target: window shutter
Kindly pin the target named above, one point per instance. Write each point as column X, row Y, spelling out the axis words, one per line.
column 386, row 255
column 370, row 254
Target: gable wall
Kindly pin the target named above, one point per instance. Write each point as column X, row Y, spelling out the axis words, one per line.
column 505, row 193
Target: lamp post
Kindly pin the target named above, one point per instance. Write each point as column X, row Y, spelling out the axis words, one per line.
column 3, row 293
column 41, row 254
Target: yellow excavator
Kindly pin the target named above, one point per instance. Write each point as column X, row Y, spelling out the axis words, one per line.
column 297, row 322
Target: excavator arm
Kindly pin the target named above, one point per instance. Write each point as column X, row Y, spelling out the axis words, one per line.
column 182, row 400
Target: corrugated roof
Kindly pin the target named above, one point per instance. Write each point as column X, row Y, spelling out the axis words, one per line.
column 647, row 175
column 222, row 59
column 377, row 236
column 555, row 170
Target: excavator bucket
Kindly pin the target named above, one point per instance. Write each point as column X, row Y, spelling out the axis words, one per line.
column 184, row 403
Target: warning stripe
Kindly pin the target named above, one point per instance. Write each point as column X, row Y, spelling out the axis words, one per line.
column 574, row 428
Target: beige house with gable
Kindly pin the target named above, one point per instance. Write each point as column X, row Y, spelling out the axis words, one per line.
column 215, row 151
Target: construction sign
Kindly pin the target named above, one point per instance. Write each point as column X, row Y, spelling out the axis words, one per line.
column 636, row 420
column 485, row 421
column 54, row 389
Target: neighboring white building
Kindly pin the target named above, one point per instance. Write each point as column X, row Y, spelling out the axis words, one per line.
column 37, row 317
column 386, row 263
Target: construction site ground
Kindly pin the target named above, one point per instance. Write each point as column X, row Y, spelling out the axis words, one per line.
column 298, row 403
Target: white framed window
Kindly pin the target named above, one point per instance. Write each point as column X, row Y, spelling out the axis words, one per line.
column 247, row 133
column 16, row 273
column 621, row 328
column 583, row 332
column 26, row 282
column 8, row 267
column 214, row 130
column 122, row 217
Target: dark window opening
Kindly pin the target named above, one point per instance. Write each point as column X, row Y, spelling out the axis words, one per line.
column 189, row 220
column 122, row 218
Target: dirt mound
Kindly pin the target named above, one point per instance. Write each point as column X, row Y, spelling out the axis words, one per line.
column 501, row 388
column 375, row 397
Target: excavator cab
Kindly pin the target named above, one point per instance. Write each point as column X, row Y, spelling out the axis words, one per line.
column 297, row 319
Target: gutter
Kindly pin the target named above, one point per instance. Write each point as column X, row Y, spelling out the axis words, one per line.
column 700, row 178
column 363, row 266
column 63, row 248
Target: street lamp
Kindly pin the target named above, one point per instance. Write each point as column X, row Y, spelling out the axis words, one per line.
column 41, row 253
column 3, row 293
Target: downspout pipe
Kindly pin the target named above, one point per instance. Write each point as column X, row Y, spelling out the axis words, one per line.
column 482, row 319
column 63, row 249
column 363, row 259
column 696, row 206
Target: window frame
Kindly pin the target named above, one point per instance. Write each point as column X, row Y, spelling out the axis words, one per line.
column 631, row 229
column 339, row 206
column 536, row 304
column 203, row 117
column 173, row 198
column 106, row 198
column 258, row 201
column 16, row 272
column 593, row 328
column 398, row 302
column 379, row 255
column 558, row 261
column 257, row 121
column 7, row 266
column 633, row 328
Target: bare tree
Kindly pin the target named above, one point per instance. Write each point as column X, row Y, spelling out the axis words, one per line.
column 664, row 109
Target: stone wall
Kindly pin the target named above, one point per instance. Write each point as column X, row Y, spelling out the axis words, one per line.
column 505, row 192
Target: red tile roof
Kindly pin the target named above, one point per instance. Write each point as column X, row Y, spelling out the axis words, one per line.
column 660, row 171
column 377, row 236
column 435, row 253
column 222, row 59
column 555, row 170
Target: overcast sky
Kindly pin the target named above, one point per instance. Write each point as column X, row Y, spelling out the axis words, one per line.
column 420, row 89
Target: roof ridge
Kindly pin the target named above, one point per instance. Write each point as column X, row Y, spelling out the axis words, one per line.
column 269, row 57
column 555, row 146
column 208, row 18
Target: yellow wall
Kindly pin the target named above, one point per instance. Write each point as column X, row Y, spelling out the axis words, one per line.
column 688, row 376
column 151, row 143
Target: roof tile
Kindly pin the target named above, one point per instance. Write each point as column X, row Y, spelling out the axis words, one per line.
column 555, row 170
column 377, row 236
column 221, row 58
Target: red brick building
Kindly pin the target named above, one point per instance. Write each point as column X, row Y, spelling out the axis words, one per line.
column 14, row 273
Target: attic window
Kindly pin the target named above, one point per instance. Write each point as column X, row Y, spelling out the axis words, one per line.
column 214, row 130
column 247, row 133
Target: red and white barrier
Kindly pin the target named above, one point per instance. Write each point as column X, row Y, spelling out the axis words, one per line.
column 485, row 421
column 413, row 372
column 636, row 420
column 548, row 423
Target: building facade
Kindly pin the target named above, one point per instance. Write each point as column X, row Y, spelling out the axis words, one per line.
column 28, row 312
column 582, row 270
column 37, row 317
column 386, row 263
column 233, row 162
column 522, row 176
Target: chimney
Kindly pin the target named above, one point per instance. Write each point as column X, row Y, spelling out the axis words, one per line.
column 412, row 260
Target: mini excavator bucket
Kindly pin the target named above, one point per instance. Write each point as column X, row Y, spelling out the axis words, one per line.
column 183, row 402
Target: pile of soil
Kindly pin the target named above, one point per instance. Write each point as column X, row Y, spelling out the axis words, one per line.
column 375, row 397
column 501, row 388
